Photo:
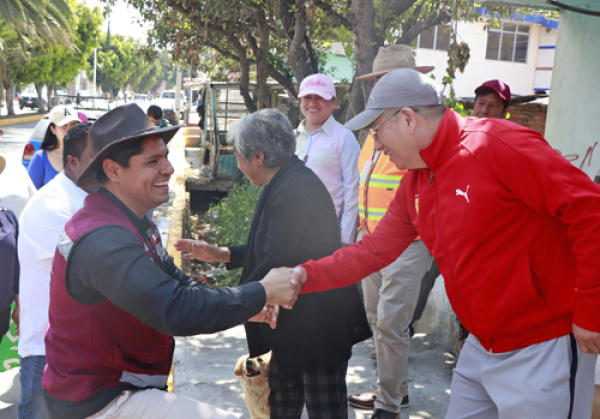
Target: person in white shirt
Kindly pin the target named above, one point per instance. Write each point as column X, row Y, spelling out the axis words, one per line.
column 329, row 149
column 41, row 224
column 16, row 186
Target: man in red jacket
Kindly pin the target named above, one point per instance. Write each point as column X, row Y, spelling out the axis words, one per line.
column 515, row 230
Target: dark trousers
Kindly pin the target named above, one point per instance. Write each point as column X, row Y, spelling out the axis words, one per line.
column 323, row 390
column 4, row 321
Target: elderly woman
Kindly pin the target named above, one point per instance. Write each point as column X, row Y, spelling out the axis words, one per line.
column 294, row 221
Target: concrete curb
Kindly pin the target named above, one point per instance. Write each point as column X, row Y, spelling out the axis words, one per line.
column 12, row 121
column 178, row 204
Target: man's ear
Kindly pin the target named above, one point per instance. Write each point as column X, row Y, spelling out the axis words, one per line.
column 410, row 119
column 72, row 162
column 112, row 169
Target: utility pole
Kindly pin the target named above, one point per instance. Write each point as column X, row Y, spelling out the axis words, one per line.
column 95, row 58
column 178, row 92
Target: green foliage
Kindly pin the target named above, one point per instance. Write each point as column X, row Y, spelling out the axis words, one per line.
column 451, row 101
column 346, row 37
column 122, row 62
column 230, row 221
column 42, row 23
column 59, row 64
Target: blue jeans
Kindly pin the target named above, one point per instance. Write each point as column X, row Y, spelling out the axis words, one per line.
column 31, row 405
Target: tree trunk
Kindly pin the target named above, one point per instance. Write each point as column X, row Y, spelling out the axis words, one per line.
column 244, row 76
column 41, row 106
column 262, row 53
column 293, row 114
column 9, row 96
column 52, row 95
column 365, row 50
column 299, row 57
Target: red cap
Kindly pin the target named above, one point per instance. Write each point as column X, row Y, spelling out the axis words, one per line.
column 497, row 86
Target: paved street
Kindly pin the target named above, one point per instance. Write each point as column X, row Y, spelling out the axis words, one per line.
column 14, row 139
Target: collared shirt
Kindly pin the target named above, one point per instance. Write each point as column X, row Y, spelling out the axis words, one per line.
column 332, row 153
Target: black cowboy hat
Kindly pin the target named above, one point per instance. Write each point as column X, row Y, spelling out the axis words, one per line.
column 116, row 129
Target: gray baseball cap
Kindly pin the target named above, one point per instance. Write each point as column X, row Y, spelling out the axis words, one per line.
column 400, row 88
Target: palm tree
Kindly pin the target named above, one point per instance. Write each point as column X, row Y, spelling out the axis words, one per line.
column 41, row 22
column 31, row 23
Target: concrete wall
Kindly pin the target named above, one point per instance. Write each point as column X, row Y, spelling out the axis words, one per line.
column 573, row 121
column 542, row 79
column 573, row 124
column 519, row 76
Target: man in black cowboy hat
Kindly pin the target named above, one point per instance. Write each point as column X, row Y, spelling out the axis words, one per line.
column 116, row 298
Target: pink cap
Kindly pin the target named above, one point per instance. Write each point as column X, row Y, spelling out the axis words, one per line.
column 317, row 84
column 82, row 117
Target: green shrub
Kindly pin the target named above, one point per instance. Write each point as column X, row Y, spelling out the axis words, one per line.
column 230, row 222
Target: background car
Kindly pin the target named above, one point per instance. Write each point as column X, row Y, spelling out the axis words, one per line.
column 29, row 98
column 37, row 136
column 139, row 98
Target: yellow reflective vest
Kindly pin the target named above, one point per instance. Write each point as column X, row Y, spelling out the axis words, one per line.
column 379, row 181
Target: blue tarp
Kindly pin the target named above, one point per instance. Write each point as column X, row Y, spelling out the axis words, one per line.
column 528, row 18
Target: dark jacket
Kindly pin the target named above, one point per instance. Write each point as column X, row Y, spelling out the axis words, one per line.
column 295, row 221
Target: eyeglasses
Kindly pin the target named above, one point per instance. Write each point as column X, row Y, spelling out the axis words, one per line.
column 373, row 131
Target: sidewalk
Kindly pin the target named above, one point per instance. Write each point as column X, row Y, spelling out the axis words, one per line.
column 204, row 364
column 204, row 371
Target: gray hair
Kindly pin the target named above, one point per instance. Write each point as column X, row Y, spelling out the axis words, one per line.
column 267, row 131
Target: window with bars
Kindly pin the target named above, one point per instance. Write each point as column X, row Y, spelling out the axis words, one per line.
column 437, row 37
column 509, row 43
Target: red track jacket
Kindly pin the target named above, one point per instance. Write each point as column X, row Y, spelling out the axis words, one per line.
column 513, row 226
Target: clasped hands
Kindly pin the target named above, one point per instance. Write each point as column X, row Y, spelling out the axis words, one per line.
column 282, row 285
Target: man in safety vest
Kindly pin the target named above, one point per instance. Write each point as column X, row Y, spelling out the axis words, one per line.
column 390, row 294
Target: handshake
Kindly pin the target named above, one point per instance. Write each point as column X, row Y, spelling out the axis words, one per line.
column 282, row 285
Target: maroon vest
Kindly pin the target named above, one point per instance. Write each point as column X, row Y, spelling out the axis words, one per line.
column 90, row 348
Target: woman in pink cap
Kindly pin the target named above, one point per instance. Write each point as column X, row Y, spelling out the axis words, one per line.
column 329, row 149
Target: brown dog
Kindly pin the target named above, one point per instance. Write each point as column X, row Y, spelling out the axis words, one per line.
column 253, row 374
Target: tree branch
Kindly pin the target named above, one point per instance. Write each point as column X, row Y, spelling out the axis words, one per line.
column 335, row 18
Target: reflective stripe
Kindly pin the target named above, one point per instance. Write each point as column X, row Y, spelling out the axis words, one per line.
column 65, row 244
column 382, row 181
column 386, row 177
column 374, row 214
column 384, row 185
column 144, row 380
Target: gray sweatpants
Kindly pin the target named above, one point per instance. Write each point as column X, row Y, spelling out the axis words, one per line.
column 529, row 383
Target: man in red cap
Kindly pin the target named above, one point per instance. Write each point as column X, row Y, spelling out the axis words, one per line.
column 492, row 100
